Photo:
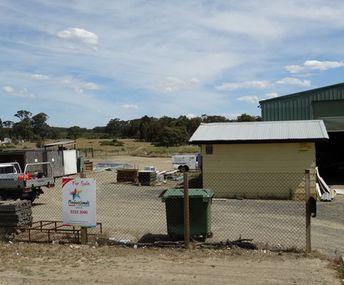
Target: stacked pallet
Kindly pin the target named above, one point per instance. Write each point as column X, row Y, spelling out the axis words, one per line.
column 127, row 175
column 15, row 213
column 147, row 178
column 88, row 165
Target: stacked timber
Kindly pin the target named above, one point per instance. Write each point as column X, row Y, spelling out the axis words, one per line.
column 147, row 178
column 127, row 175
column 15, row 213
column 88, row 165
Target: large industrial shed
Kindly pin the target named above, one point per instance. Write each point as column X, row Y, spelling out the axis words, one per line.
column 327, row 104
column 258, row 159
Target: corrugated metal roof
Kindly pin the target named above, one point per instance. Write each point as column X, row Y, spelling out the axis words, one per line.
column 308, row 130
column 59, row 143
column 324, row 93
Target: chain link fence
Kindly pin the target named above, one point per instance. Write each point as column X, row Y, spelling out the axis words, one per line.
column 130, row 211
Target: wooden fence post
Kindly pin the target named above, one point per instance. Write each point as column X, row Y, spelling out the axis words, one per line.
column 83, row 230
column 308, row 211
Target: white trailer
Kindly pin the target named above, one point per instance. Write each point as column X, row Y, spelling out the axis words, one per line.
column 186, row 162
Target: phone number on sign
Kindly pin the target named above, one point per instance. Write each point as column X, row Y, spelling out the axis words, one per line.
column 81, row 212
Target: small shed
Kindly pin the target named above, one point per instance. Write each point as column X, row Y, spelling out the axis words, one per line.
column 258, row 159
column 64, row 159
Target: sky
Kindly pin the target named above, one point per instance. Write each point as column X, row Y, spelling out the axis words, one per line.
column 84, row 62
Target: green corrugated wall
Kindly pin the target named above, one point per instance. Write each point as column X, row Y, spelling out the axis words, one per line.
column 299, row 106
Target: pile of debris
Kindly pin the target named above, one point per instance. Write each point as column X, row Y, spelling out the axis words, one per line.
column 15, row 214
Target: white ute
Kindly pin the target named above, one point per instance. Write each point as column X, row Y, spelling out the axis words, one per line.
column 27, row 184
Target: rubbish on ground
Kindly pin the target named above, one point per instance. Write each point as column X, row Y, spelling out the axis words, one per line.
column 339, row 191
column 150, row 168
column 323, row 191
column 102, row 166
column 127, row 175
column 147, row 178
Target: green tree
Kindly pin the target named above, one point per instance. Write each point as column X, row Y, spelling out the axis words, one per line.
column 7, row 124
column 248, row 118
column 214, row 119
column 40, row 127
column 114, row 127
column 23, row 114
column 1, row 130
column 172, row 137
column 23, row 128
column 74, row 132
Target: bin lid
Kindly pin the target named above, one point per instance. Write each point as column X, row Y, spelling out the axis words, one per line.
column 194, row 193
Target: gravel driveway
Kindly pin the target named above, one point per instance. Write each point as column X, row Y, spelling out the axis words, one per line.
column 131, row 211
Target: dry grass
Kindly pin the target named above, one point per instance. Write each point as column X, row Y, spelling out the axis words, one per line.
column 101, row 147
column 132, row 147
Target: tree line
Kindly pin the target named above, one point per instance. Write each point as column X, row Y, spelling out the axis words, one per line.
column 164, row 131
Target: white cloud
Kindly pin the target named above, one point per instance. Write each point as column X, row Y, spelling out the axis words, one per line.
column 294, row 82
column 191, row 116
column 80, row 86
column 249, row 99
column 256, row 84
column 271, row 95
column 8, row 89
column 314, row 65
column 294, row 68
column 172, row 84
column 193, row 80
column 249, row 23
column 323, row 65
column 89, row 86
column 39, row 77
column 79, row 34
column 130, row 106
column 18, row 92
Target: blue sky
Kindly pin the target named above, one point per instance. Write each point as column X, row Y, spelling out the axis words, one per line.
column 84, row 62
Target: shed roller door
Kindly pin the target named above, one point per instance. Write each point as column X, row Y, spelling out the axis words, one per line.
column 331, row 112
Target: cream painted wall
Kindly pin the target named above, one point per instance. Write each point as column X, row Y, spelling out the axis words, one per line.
column 273, row 170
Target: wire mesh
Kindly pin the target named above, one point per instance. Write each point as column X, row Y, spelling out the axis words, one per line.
column 130, row 211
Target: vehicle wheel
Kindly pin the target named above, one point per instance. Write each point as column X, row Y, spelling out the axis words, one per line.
column 183, row 168
column 32, row 198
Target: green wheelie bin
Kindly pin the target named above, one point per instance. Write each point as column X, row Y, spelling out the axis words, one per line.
column 200, row 213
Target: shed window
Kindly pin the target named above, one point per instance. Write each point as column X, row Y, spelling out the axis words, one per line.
column 209, row 149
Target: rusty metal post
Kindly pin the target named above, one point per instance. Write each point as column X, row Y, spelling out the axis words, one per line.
column 308, row 210
column 83, row 230
column 186, row 211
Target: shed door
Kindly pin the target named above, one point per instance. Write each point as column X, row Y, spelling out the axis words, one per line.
column 69, row 161
column 331, row 112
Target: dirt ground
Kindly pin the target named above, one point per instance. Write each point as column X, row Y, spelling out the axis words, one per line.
column 72, row 264
column 23, row 263
column 129, row 212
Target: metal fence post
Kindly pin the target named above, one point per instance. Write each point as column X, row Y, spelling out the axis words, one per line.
column 83, row 230
column 308, row 211
column 186, row 211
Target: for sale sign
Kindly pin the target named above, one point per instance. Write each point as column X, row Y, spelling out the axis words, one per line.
column 79, row 201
